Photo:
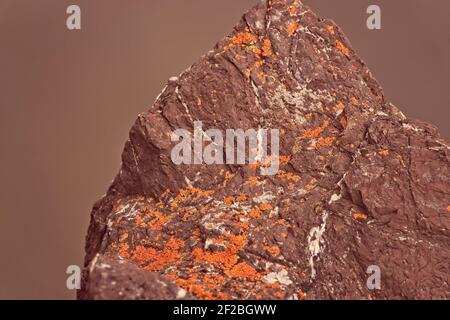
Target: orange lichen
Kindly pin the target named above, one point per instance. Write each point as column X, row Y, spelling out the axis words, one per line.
column 244, row 38
column 257, row 51
column 202, row 286
column 138, row 220
column 279, row 295
column 228, row 177
column 325, row 142
column 152, row 259
column 238, row 241
column 267, row 48
column 123, row 250
column 301, row 295
column 123, row 237
column 293, row 10
column 199, row 192
column 342, row 48
column 309, row 187
column 284, row 160
column 292, row 28
column 339, row 107
column 265, row 207
column 274, row 250
column 261, row 76
column 252, row 181
column 359, row 216
column 242, row 197
column 384, row 153
column 243, row 270
column 279, row 222
column 343, row 122
column 330, row 29
column 315, row 133
column 228, row 200
column 288, row 176
column 224, row 259
column 244, row 225
column 255, row 213
column 354, row 101
column 181, row 261
column 448, row 209
column 159, row 220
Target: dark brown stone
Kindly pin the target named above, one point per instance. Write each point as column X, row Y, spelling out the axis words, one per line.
column 360, row 184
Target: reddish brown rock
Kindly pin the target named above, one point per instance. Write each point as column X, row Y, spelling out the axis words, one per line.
column 359, row 183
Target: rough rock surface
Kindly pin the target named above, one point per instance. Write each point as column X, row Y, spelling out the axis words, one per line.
column 359, row 183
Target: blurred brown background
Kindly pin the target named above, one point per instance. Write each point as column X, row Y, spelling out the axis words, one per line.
column 68, row 99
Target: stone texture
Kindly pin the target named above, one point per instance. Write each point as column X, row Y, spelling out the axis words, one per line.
column 359, row 183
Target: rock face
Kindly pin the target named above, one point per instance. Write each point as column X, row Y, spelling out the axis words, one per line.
column 358, row 184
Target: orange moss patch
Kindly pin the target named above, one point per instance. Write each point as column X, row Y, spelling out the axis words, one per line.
column 292, row 28
column 359, row 216
column 342, row 48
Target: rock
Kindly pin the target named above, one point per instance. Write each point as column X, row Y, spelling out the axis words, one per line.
column 114, row 279
column 358, row 185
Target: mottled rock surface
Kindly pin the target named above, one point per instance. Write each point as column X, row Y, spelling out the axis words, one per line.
column 359, row 183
